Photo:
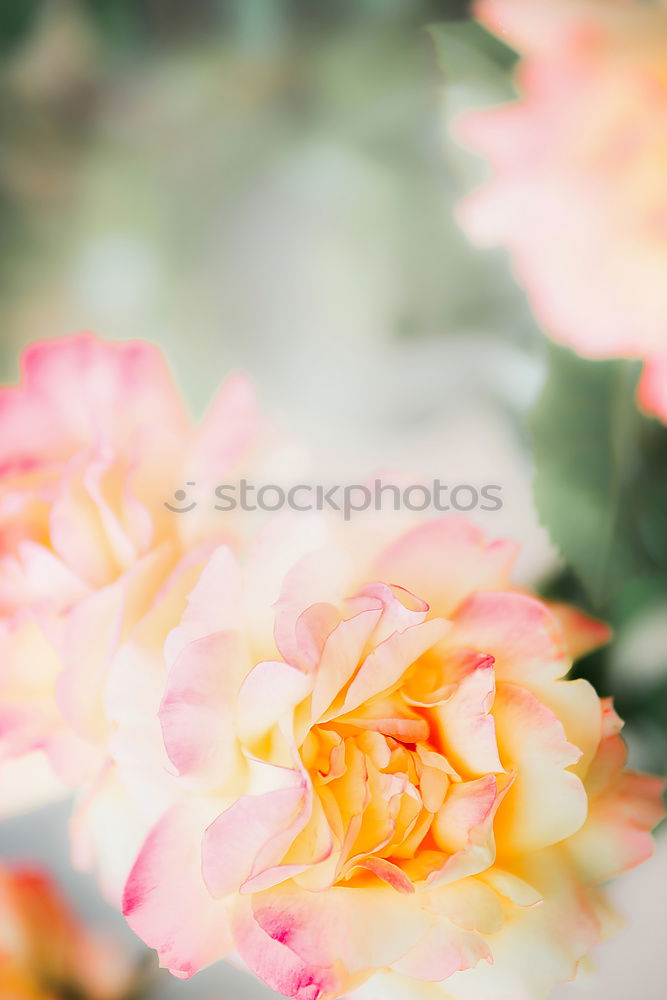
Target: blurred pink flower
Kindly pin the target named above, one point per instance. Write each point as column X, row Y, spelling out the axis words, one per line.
column 385, row 780
column 94, row 441
column 46, row 952
column 578, row 194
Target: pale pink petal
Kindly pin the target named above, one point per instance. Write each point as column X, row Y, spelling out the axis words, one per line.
column 98, row 841
column 524, row 638
column 582, row 150
column 617, row 833
column 81, row 390
column 309, row 859
column 271, row 691
column 312, row 629
column 442, row 952
column 389, row 873
column 229, row 429
column 166, row 901
column 352, row 930
column 521, row 24
column 77, row 530
column 466, row 827
column 270, row 567
column 624, row 808
column 214, row 604
column 317, row 578
column 582, row 633
column 92, row 635
column 252, row 834
column 198, row 709
column 342, row 653
column 400, row 609
column 530, row 648
column 279, row 967
column 137, row 672
column 385, row 666
column 467, row 806
column 74, row 759
column 36, row 576
column 443, row 561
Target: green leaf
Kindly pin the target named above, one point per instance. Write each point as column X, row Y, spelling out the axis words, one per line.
column 123, row 24
column 16, row 20
column 468, row 52
column 587, row 434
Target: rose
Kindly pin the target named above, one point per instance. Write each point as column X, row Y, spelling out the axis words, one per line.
column 45, row 952
column 352, row 755
column 398, row 789
column 94, row 440
column 578, row 194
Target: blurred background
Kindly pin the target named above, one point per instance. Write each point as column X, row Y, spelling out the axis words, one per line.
column 269, row 185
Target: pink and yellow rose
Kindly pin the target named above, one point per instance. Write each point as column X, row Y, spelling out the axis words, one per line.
column 578, row 194
column 387, row 783
column 95, row 440
column 355, row 762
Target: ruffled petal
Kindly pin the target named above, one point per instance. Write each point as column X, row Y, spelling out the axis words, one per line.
column 444, row 561
column 197, row 713
column 166, row 901
column 546, row 802
column 81, row 390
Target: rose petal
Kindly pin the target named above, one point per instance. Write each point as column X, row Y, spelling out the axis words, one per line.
column 547, row 802
column 443, row 561
column 166, row 901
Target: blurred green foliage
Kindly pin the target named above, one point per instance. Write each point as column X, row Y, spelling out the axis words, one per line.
column 468, row 52
column 165, row 122
column 16, row 19
column 601, row 491
column 127, row 24
column 589, row 446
